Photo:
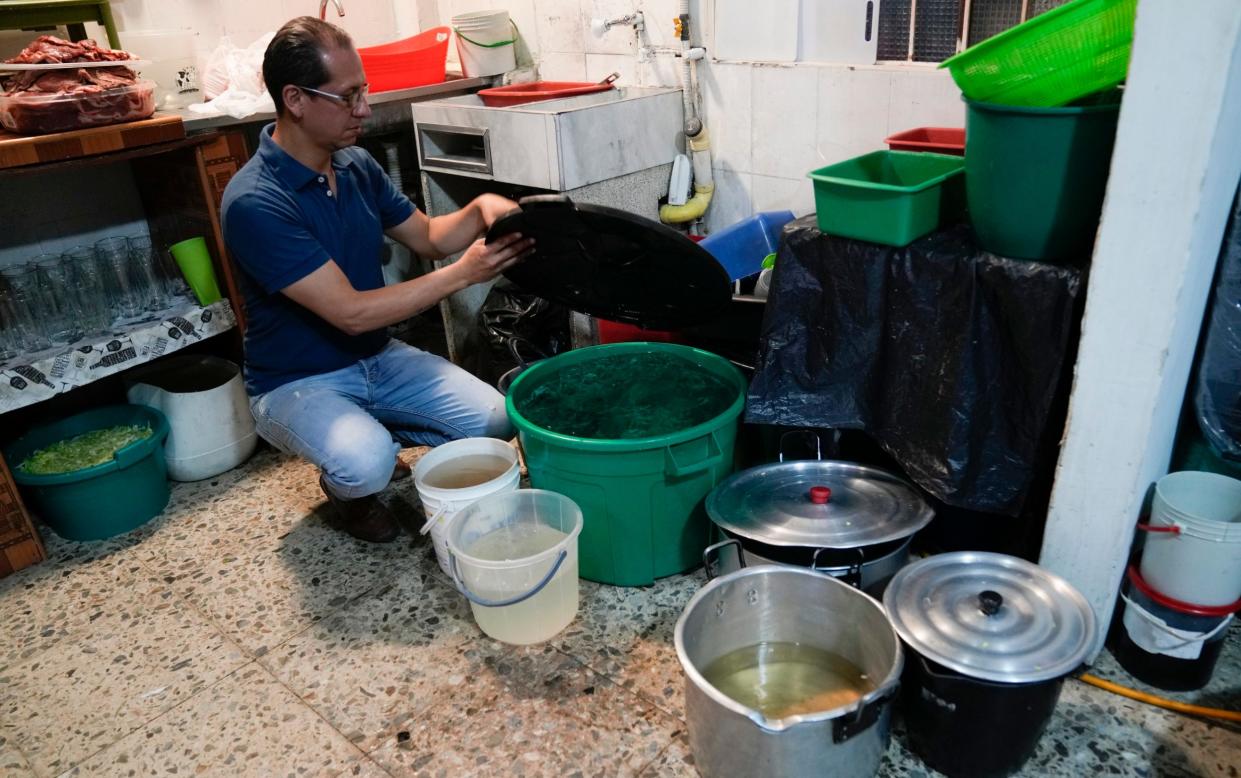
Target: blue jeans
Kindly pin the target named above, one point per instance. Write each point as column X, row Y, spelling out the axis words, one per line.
column 348, row 422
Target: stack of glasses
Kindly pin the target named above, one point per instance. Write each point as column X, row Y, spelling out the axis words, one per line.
column 57, row 299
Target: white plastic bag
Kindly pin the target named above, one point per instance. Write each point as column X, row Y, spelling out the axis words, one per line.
column 232, row 80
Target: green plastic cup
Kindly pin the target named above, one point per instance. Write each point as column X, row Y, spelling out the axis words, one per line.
column 195, row 263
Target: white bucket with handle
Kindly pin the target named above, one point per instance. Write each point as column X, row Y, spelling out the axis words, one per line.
column 486, row 42
column 453, row 475
column 1193, row 550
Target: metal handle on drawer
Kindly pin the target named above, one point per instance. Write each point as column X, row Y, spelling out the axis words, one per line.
column 444, row 147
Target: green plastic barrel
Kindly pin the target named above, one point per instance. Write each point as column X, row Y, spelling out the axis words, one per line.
column 105, row 500
column 1035, row 177
column 641, row 498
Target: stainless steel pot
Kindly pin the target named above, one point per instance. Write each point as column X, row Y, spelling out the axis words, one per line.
column 785, row 604
column 850, row 521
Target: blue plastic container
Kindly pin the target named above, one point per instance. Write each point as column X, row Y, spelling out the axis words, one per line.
column 742, row 247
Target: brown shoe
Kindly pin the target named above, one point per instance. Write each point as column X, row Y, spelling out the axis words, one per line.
column 365, row 518
column 402, row 470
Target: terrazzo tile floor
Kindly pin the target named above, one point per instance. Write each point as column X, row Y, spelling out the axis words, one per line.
column 238, row 635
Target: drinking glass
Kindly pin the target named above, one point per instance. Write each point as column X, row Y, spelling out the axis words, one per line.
column 126, row 289
column 12, row 341
column 146, row 264
column 23, row 286
column 58, row 299
column 92, row 291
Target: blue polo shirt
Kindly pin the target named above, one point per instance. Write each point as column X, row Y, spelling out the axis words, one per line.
column 281, row 222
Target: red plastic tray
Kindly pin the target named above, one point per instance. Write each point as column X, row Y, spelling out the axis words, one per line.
column 941, row 140
column 516, row 94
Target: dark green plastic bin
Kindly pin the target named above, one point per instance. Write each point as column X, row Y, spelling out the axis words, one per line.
column 1035, row 177
column 889, row 197
column 641, row 498
column 105, row 500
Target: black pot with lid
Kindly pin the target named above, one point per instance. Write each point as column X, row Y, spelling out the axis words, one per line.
column 991, row 639
column 848, row 520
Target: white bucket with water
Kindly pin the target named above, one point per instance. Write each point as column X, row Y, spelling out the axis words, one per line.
column 1193, row 552
column 486, row 42
column 514, row 556
column 455, row 474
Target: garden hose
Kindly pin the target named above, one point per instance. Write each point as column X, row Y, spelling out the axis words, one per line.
column 1161, row 702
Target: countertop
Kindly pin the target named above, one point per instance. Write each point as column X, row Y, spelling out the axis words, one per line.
column 195, row 122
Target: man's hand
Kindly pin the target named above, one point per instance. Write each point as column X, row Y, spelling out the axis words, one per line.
column 492, row 207
column 483, row 262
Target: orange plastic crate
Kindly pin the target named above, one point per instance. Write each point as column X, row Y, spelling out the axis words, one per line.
column 416, row 61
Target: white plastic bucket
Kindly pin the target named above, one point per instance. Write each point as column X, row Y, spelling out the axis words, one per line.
column 486, row 42
column 514, row 556
column 441, row 503
column 1199, row 561
column 211, row 427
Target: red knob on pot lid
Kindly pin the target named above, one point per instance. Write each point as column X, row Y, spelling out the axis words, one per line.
column 991, row 616
column 861, row 506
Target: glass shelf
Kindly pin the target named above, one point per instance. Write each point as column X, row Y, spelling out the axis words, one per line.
column 30, row 378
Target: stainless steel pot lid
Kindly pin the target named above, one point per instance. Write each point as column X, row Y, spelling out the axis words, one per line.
column 991, row 616
column 817, row 503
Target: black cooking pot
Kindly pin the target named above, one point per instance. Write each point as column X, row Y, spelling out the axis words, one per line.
column 965, row 726
column 515, row 344
column 991, row 639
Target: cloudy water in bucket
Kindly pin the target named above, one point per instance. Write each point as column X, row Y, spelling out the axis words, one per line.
column 628, row 396
column 533, row 620
column 786, row 679
column 466, row 471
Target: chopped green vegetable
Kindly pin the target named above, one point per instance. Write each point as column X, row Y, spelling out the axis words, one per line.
column 83, row 451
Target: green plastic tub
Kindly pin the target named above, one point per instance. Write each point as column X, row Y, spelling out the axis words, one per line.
column 105, row 500
column 1035, row 177
column 641, row 498
column 1053, row 59
column 890, row 197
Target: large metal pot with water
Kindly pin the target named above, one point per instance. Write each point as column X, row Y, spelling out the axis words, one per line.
column 787, row 671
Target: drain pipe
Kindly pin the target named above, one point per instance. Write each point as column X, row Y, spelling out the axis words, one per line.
column 698, row 141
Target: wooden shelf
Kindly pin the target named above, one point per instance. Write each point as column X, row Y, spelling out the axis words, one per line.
column 30, row 152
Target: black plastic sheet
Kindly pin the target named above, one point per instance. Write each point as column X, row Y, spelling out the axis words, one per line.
column 950, row 358
column 1218, row 397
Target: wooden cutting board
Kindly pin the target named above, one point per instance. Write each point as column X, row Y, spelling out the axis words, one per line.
column 19, row 150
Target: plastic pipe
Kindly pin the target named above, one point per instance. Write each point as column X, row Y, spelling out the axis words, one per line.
column 704, row 184
column 1160, row 702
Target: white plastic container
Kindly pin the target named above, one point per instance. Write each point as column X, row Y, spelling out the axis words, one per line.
column 1200, row 562
column 438, row 473
column 172, row 67
column 514, row 556
column 486, row 42
column 205, row 402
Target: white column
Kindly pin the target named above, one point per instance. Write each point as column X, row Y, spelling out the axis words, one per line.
column 1175, row 168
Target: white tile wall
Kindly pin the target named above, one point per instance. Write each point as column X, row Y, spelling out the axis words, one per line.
column 726, row 93
column 562, row 67
column 733, row 199
column 783, row 100
column 852, row 113
column 53, row 212
column 599, row 66
column 776, row 194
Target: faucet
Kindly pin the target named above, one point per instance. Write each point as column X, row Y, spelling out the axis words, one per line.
column 340, row 8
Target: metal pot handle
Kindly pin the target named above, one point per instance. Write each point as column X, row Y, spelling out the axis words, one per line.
column 711, row 556
column 474, row 598
column 852, row 576
column 818, row 442
column 866, row 714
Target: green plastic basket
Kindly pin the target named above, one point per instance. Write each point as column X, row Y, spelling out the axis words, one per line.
column 1053, row 59
column 889, row 197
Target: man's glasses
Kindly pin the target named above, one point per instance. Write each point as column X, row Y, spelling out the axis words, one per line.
column 350, row 100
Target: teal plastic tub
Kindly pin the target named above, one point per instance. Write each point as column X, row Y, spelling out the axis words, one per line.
column 641, row 498
column 889, row 197
column 105, row 500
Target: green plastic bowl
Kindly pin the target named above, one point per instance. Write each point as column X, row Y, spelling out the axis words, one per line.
column 889, row 197
column 105, row 500
column 1053, row 59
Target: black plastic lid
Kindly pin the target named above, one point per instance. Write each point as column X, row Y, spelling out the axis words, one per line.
column 614, row 265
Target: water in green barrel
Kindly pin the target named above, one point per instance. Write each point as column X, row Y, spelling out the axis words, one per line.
column 628, row 396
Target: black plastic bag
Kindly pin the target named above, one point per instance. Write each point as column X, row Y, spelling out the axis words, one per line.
column 519, row 325
column 1218, row 397
column 947, row 356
